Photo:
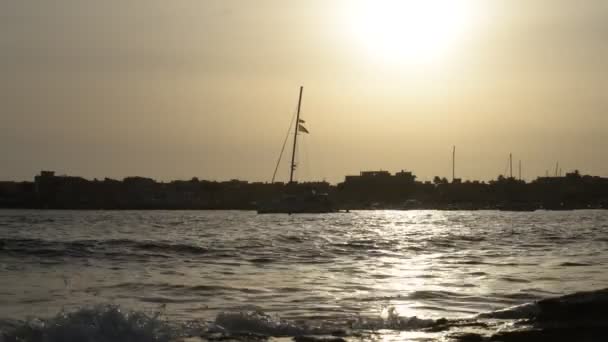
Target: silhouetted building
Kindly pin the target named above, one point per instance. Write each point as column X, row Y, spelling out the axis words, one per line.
column 380, row 177
column 369, row 189
column 373, row 189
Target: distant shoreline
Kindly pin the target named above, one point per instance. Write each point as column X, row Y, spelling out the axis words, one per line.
column 367, row 191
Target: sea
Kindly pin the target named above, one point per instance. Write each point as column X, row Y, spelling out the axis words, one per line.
column 358, row 276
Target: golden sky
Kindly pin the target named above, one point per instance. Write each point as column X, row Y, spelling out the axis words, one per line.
column 176, row 89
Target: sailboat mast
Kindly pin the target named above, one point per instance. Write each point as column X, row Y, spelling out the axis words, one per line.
column 453, row 163
column 510, row 165
column 295, row 137
column 520, row 170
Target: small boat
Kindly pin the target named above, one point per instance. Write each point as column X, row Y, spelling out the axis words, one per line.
column 297, row 199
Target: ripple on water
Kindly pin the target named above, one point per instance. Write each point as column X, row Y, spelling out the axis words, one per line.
column 440, row 263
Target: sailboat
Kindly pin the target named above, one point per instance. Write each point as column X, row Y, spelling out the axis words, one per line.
column 516, row 205
column 296, row 199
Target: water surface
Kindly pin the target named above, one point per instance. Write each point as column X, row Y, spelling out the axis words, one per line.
column 332, row 269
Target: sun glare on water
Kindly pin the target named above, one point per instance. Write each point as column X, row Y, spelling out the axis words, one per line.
column 410, row 31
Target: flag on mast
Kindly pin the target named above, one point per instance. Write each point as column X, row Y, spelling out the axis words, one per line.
column 301, row 121
column 302, row 129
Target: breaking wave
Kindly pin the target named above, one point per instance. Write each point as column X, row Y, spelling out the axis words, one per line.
column 538, row 320
column 101, row 323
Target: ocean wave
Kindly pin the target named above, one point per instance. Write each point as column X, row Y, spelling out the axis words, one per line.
column 88, row 248
column 391, row 320
column 259, row 322
column 574, row 264
column 582, row 313
column 101, row 323
column 112, row 323
column 433, row 295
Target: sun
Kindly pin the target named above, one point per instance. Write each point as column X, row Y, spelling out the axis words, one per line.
column 410, row 31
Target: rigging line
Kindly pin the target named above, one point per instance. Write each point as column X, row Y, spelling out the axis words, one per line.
column 276, row 169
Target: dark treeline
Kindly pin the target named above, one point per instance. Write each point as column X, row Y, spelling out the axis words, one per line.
column 369, row 190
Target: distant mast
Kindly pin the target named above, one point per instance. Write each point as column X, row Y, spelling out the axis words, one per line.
column 295, row 137
column 520, row 170
column 510, row 165
column 453, row 163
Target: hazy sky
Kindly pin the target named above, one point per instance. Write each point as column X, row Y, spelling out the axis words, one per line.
column 176, row 89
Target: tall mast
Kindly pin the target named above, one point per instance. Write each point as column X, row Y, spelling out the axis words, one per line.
column 295, row 137
column 510, row 165
column 520, row 170
column 453, row 164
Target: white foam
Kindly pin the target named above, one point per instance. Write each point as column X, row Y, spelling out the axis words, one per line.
column 100, row 324
column 258, row 322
